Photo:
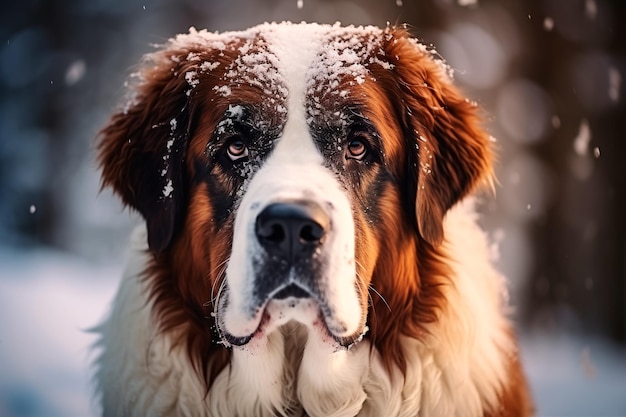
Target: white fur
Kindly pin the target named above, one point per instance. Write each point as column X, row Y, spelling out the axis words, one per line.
column 451, row 373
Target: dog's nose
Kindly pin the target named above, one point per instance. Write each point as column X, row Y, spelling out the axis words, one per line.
column 291, row 229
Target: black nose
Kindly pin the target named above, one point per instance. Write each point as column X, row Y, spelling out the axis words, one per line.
column 291, row 229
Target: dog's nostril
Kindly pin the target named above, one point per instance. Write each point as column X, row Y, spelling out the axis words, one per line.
column 274, row 232
column 288, row 229
column 311, row 233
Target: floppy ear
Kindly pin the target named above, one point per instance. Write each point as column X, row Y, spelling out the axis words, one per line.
column 449, row 148
column 142, row 150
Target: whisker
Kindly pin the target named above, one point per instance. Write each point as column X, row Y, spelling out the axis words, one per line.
column 217, row 298
column 371, row 287
column 360, row 283
column 369, row 296
column 220, row 265
column 219, row 278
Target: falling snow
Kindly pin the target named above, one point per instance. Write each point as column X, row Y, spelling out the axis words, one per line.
column 581, row 142
column 468, row 2
column 588, row 366
column 615, row 82
column 591, row 9
column 496, row 238
column 32, row 209
column 548, row 24
column 300, row 4
column 75, row 72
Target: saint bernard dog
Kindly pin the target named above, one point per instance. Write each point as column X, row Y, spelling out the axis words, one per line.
column 310, row 246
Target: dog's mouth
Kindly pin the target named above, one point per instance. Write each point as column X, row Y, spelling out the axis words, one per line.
column 293, row 303
column 291, row 290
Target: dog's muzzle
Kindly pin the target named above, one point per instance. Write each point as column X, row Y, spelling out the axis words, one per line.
column 300, row 269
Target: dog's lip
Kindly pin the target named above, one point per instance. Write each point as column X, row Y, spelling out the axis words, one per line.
column 261, row 319
column 236, row 340
column 292, row 291
column 323, row 317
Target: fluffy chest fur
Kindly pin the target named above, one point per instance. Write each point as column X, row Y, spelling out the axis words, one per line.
column 306, row 251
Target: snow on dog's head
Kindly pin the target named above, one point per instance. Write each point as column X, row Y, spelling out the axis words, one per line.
column 283, row 172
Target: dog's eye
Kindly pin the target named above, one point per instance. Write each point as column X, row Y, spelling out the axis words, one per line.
column 357, row 149
column 237, row 149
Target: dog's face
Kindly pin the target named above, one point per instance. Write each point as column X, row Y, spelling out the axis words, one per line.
column 286, row 171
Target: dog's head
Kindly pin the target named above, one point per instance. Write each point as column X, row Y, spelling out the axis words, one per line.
column 285, row 171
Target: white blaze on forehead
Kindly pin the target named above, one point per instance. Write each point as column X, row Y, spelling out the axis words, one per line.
column 296, row 47
column 295, row 170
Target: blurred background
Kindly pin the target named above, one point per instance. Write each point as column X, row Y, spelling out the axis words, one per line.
column 549, row 74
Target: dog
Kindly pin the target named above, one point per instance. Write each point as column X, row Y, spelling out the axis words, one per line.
column 310, row 245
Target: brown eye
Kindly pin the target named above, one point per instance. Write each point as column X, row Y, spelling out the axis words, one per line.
column 237, row 149
column 357, row 149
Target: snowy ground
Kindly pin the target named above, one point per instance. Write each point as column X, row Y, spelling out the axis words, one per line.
column 48, row 300
column 575, row 377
